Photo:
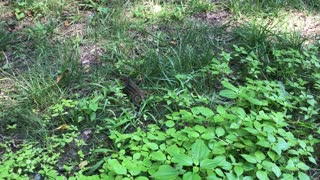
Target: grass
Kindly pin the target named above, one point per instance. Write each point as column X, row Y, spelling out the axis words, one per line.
column 188, row 67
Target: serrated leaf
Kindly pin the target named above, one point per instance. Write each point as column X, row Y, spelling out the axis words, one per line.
column 267, row 165
column 229, row 86
column 290, row 165
column 262, row 175
column 220, row 131
column 251, row 130
column 158, row 156
column 212, row 163
column 191, row 176
column 238, row 170
column 276, row 170
column 263, row 143
column 170, row 123
column 166, row 172
column 259, row 156
column 153, row 146
column 219, row 172
column 208, row 135
column 117, row 167
column 311, row 159
column 228, row 94
column 249, row 158
column 280, row 146
column 231, row 176
column 221, row 110
column 182, row 159
column 200, row 129
column 199, row 150
column 256, row 101
column 303, row 176
column 302, row 166
column 206, row 112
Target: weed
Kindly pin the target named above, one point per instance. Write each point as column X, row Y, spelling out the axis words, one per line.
column 212, row 108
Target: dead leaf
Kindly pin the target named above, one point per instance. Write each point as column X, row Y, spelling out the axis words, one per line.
column 66, row 24
column 29, row 13
column 59, row 77
column 62, row 75
column 62, row 127
column 173, row 42
column 83, row 164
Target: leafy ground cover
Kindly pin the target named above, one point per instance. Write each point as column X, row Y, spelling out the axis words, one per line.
column 229, row 89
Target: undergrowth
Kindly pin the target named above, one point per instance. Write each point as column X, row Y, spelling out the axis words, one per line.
column 243, row 108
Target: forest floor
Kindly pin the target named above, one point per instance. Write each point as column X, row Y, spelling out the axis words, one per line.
column 179, row 89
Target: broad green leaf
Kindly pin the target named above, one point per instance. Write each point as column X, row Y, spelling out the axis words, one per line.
column 311, row 159
column 247, row 178
column 228, row 85
column 302, row 166
column 153, row 146
column 182, row 159
column 199, row 150
column 238, row 170
column 133, row 168
column 208, row 135
column 158, row 156
column 103, row 9
column 267, row 165
column 303, row 176
column 220, row 131
column 251, row 130
column 141, row 178
column 218, row 149
column 93, row 106
column 221, row 110
column 206, row 112
column 212, row 163
column 262, row 175
column 264, row 143
column 191, row 176
column 235, row 126
column 169, row 123
column 193, row 134
column 276, row 170
column 271, row 138
column 200, row 129
column 231, row 176
column 228, row 94
column 290, row 165
column 227, row 166
column 287, row 177
column 117, row 167
column 219, row 172
column 166, row 172
column 256, row 101
column 272, row 155
column 93, row 116
column 249, row 158
column 280, row 146
column 259, row 156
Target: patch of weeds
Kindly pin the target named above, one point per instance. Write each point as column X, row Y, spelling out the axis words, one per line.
column 103, row 109
column 268, row 7
column 263, row 38
column 5, row 37
column 181, row 151
column 169, row 11
column 37, row 8
column 32, row 160
column 177, row 52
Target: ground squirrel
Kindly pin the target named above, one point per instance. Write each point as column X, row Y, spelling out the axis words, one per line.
column 135, row 94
